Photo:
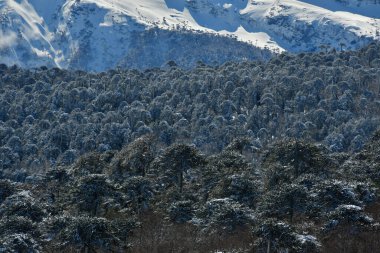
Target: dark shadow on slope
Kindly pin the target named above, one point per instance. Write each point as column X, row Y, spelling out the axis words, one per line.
column 179, row 5
column 187, row 48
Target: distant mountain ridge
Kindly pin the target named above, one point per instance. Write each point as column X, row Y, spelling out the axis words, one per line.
column 97, row 35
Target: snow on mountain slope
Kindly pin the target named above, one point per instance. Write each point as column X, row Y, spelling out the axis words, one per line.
column 25, row 40
column 97, row 34
column 297, row 25
column 367, row 8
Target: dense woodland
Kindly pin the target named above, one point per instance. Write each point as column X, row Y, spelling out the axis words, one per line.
column 276, row 156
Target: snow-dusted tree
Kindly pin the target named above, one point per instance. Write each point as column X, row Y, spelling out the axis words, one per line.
column 86, row 234
column 278, row 236
column 90, row 192
column 135, row 158
column 176, row 161
column 24, row 205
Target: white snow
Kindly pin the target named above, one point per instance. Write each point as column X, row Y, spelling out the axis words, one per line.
column 365, row 8
column 303, row 239
column 59, row 32
column 7, row 39
column 227, row 6
column 351, row 207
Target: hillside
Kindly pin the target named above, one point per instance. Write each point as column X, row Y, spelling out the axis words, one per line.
column 102, row 34
column 278, row 156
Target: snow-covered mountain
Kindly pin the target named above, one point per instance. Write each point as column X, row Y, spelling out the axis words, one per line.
column 100, row 34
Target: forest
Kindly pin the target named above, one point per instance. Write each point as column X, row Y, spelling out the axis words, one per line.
column 248, row 156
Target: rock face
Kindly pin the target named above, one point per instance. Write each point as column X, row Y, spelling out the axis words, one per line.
column 101, row 34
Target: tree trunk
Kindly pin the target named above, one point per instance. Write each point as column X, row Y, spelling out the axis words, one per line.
column 95, row 211
column 268, row 246
column 180, row 181
column 291, row 212
column 85, row 249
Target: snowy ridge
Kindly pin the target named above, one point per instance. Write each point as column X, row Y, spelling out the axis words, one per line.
column 97, row 33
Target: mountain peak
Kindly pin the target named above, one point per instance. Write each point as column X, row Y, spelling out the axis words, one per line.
column 98, row 33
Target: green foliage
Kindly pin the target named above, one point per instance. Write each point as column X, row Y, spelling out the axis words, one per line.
column 277, row 236
column 348, row 215
column 22, row 204
column 169, row 160
column 239, row 144
column 177, row 160
column 7, row 188
column 243, row 188
column 181, row 211
column 308, row 199
column 225, row 215
column 288, row 160
column 135, row 158
column 286, row 201
column 15, row 243
column 85, row 233
column 17, row 225
column 91, row 163
column 139, row 193
column 91, row 192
